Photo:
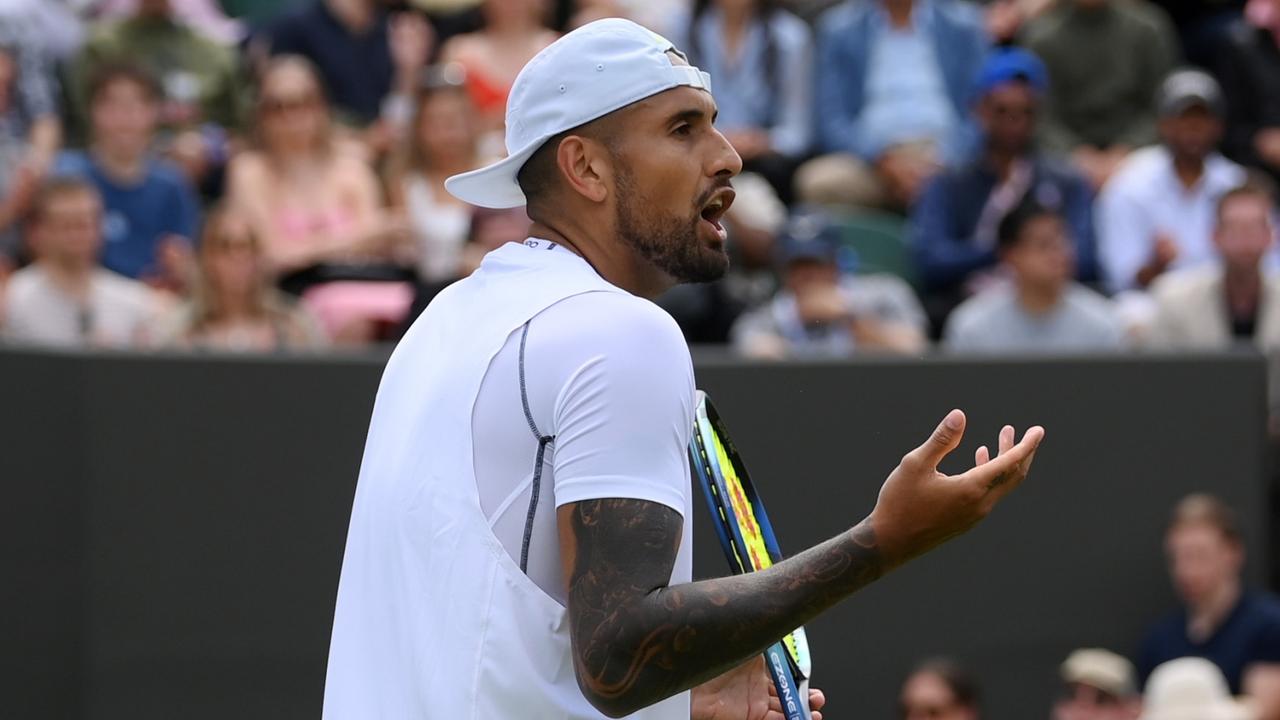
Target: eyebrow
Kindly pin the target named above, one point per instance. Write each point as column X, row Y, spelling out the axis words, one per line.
column 691, row 115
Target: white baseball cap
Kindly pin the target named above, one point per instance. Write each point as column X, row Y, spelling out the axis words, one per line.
column 599, row 68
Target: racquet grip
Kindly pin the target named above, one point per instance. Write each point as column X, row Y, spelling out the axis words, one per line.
column 794, row 707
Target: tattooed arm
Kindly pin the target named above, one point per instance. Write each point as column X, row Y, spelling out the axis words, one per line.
column 637, row 640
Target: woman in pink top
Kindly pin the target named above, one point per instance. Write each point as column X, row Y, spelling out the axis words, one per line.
column 316, row 205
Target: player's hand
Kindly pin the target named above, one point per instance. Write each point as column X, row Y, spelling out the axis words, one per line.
column 920, row 508
column 745, row 693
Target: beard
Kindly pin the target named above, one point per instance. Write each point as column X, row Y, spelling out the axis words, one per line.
column 668, row 242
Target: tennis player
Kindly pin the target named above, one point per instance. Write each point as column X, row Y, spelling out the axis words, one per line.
column 519, row 544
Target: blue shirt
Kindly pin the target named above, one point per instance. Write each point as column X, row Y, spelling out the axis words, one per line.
column 137, row 217
column 847, row 34
column 745, row 96
column 945, row 220
column 1250, row 634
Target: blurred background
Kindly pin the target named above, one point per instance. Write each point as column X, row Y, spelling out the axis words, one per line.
column 217, row 217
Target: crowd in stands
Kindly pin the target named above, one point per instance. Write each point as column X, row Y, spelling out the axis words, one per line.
column 1014, row 176
column 1216, row 657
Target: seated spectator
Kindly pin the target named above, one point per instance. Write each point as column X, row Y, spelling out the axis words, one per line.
column 443, row 141
column 1236, row 300
column 57, row 24
column 820, row 313
column 954, row 224
column 30, row 131
column 315, row 205
column 761, row 60
column 939, row 689
column 1156, row 213
column 204, row 16
column 65, row 298
column 894, row 82
column 233, row 305
column 513, row 32
column 200, row 78
column 151, row 211
column 363, row 54
column 1041, row 309
column 1191, row 687
column 1097, row 685
column 1106, row 58
column 1238, row 629
column 1248, row 66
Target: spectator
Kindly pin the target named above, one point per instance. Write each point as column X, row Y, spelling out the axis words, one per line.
column 200, row 78
column 895, row 78
column 1191, row 687
column 513, row 33
column 820, row 313
column 1156, row 213
column 363, row 54
column 1097, row 685
column 204, row 16
column 30, row 132
column 760, row 57
column 233, row 305
column 939, row 690
column 55, row 23
column 314, row 203
column 1209, row 307
column 1041, row 310
column 443, row 142
column 1235, row 628
column 151, row 211
column 1106, row 59
column 1249, row 68
column 65, row 298
column 955, row 222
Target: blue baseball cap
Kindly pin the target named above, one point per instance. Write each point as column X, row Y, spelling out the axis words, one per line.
column 809, row 235
column 1005, row 65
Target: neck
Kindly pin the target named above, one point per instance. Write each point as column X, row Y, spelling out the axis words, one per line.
column 1038, row 299
column 1188, row 169
column 120, row 164
column 1001, row 161
column 1203, row 619
column 70, row 274
column 735, row 19
column 235, row 307
column 613, row 261
column 1243, row 285
column 452, row 164
column 355, row 14
column 899, row 12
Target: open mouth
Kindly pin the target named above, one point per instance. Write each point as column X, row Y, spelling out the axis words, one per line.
column 717, row 206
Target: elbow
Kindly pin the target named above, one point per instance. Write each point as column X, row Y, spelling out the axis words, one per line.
column 615, row 694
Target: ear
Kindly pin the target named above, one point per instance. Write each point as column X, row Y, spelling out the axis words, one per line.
column 586, row 167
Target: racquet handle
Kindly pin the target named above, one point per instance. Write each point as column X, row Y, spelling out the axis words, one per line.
column 794, row 707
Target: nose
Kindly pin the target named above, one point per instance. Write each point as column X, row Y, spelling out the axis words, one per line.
column 726, row 161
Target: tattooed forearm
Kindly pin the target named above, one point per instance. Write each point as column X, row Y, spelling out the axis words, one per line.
column 637, row 641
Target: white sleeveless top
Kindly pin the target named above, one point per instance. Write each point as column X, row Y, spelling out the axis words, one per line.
column 435, row 618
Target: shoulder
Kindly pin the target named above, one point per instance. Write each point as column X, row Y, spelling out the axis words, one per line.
column 1046, row 28
column 842, row 18
column 971, row 316
column 1183, row 286
column 964, row 16
column 1090, row 303
column 1226, row 173
column 1059, row 171
column 612, row 324
column 165, row 173
column 72, row 162
column 1137, row 170
column 25, row 283
column 121, row 289
column 789, row 29
column 1145, row 15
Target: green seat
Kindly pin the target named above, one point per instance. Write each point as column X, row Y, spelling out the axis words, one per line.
column 878, row 240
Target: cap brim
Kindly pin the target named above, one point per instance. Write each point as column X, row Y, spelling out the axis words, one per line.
column 494, row 186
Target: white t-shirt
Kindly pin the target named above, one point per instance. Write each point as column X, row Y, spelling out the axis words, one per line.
column 117, row 312
column 609, row 376
column 435, row 618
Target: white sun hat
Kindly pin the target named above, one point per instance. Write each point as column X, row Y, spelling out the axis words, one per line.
column 599, row 68
column 1191, row 688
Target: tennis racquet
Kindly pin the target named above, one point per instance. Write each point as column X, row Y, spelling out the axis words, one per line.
column 748, row 541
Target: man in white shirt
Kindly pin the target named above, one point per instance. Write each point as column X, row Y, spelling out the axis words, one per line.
column 520, row 538
column 65, row 298
column 1157, row 212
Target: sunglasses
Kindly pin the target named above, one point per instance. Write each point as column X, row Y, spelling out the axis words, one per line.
column 283, row 105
